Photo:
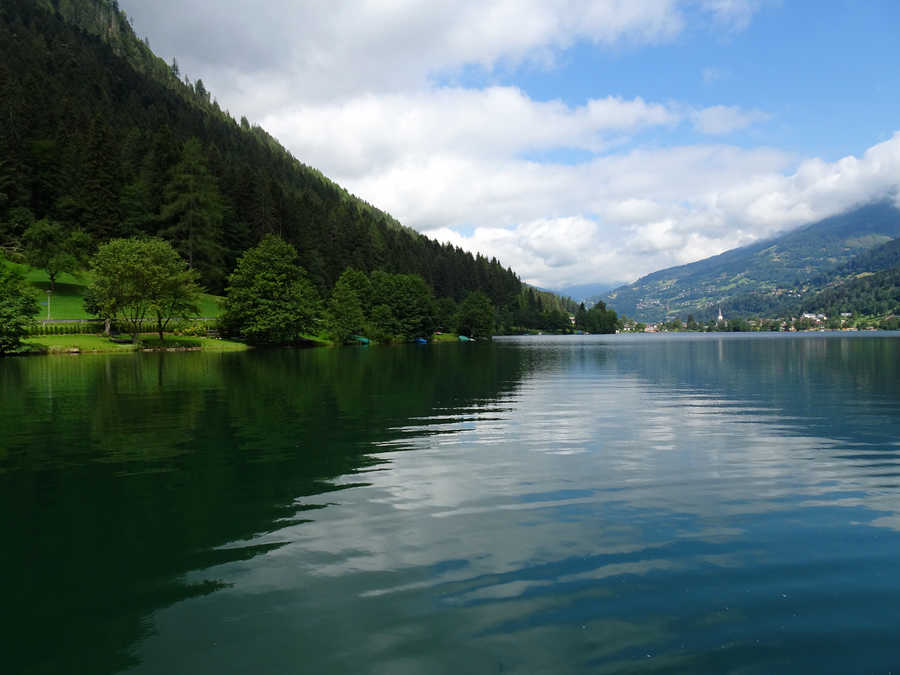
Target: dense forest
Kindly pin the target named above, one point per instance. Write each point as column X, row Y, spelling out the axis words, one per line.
column 103, row 137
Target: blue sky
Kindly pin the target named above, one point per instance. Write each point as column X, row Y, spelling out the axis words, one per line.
column 826, row 72
column 576, row 140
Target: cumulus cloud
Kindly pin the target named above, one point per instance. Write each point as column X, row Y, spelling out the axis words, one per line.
column 329, row 51
column 651, row 209
column 362, row 134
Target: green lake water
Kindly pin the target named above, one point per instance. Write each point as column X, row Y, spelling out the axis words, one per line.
column 684, row 503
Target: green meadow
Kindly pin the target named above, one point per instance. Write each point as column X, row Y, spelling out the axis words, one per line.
column 67, row 301
column 86, row 344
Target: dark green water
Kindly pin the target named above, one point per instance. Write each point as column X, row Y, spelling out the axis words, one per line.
column 649, row 504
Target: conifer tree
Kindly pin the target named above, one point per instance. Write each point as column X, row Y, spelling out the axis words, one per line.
column 192, row 210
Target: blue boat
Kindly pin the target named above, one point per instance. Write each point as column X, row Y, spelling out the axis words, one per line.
column 463, row 338
column 360, row 339
column 421, row 341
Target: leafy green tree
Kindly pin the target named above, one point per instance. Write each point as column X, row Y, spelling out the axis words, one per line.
column 414, row 306
column 18, row 220
column 556, row 320
column 361, row 285
column 50, row 247
column 136, row 280
column 475, row 317
column 193, row 210
column 602, row 320
column 96, row 304
column 445, row 313
column 17, row 309
column 382, row 324
column 411, row 303
column 345, row 316
column 269, row 299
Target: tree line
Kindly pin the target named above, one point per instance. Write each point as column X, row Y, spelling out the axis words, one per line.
column 270, row 300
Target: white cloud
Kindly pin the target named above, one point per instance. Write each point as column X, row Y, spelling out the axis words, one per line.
column 330, row 51
column 733, row 15
column 652, row 209
column 360, row 135
column 722, row 119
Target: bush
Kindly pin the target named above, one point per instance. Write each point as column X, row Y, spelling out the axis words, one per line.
column 194, row 328
column 73, row 328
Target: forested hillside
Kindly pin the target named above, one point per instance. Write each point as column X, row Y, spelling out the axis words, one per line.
column 875, row 294
column 760, row 278
column 102, row 136
column 857, row 282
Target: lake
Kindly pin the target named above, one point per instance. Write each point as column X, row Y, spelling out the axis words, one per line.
column 649, row 503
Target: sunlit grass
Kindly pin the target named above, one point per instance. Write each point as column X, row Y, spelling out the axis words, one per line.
column 62, row 344
column 185, row 342
column 67, row 301
column 445, row 337
column 86, row 344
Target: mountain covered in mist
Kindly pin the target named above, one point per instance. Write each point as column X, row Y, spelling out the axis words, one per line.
column 770, row 276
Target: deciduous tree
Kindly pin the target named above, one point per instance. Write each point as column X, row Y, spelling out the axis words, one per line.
column 475, row 317
column 345, row 315
column 140, row 279
column 17, row 309
column 50, row 247
column 269, row 298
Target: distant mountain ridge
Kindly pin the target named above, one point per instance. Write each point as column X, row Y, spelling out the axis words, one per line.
column 756, row 278
column 587, row 292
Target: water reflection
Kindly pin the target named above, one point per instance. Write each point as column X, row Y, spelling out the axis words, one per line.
column 119, row 475
column 603, row 505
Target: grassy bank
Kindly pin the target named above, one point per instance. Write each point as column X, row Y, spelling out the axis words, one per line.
column 97, row 344
column 445, row 337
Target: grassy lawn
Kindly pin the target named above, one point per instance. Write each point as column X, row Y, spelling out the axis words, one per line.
column 61, row 344
column 184, row 342
column 445, row 337
column 67, row 301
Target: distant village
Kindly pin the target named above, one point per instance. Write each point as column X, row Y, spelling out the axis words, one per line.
column 846, row 321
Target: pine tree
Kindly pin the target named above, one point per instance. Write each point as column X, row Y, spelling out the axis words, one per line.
column 193, row 209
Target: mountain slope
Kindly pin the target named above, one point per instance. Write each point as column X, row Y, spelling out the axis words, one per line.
column 587, row 292
column 100, row 134
column 766, row 272
column 870, row 294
